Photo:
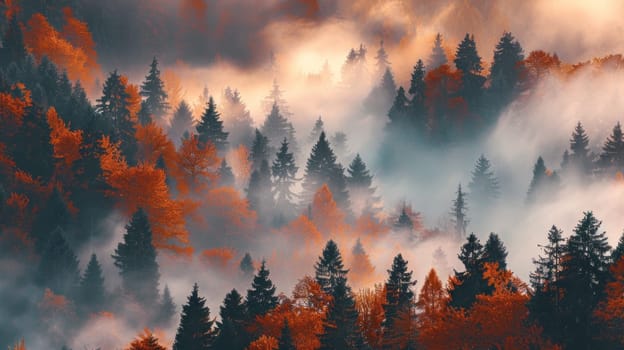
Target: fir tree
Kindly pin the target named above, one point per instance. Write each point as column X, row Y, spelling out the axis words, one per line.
column 259, row 193
column 612, row 156
column 399, row 112
column 322, row 168
column 52, row 215
column 195, row 331
column 286, row 341
column 136, row 259
column 246, row 265
column 438, row 56
column 210, row 128
column 618, row 252
column 275, row 97
column 417, row 108
column 470, row 281
column 226, row 176
column 259, row 150
column 92, row 290
column 167, row 308
column 585, row 270
column 361, row 189
column 276, row 127
column 495, row 252
column 459, row 219
column 484, row 185
column 153, row 89
column 580, row 157
column 543, row 182
column 506, row 71
column 399, row 303
column 340, row 330
column 284, row 171
column 316, row 131
column 329, row 268
column 467, row 61
column 261, row 297
column 231, row 333
column 181, row 123
column 58, row 268
column 236, row 119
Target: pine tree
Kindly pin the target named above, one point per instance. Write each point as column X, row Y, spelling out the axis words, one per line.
column 506, row 71
column 246, row 265
column 399, row 303
column 340, row 329
column 181, row 123
column 136, row 259
column 470, row 282
column 153, row 89
column 195, row 331
column 210, row 128
column 275, row 97
column 92, row 290
column 316, row 130
column 399, row 113
column 276, row 127
column 259, row 192
column 286, row 341
column 284, row 173
column 543, row 182
column 226, row 176
column 580, row 157
column 467, row 61
column 484, row 185
column 585, row 270
column 259, row 150
column 438, row 56
column 58, row 268
column 231, row 333
column 417, row 108
column 381, row 60
column 618, row 252
column 13, row 49
column 261, row 297
column 322, row 168
column 52, row 215
column 459, row 219
column 167, row 308
column 612, row 156
column 360, row 186
column 329, row 268
column 495, row 252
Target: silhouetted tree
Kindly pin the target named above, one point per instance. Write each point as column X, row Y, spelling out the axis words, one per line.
column 399, row 303
column 276, row 127
column 467, row 60
column 404, row 221
column 618, row 251
column 417, row 109
column 495, row 252
column 58, row 268
column 459, row 217
column 259, row 192
column 153, row 90
column 580, row 157
column 261, row 297
column 181, row 123
column 340, row 329
column 231, row 328
column 210, row 128
column 286, row 341
column 53, row 214
column 92, row 290
column 470, row 282
column 316, row 131
column 246, row 265
column 259, row 150
column 284, row 171
column 507, row 68
column 361, row 190
column 329, row 268
column 195, row 331
column 544, row 182
column 612, row 156
column 167, row 308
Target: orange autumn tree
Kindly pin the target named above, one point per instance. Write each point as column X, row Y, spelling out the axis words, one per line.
column 218, row 257
column 133, row 100
column 153, row 143
column 238, row 159
column 197, row 165
column 609, row 314
column 539, row 64
column 13, row 107
column 326, row 215
column 264, row 343
column 145, row 341
column 369, row 304
column 143, row 186
column 78, row 34
column 432, row 300
column 65, row 143
column 361, row 269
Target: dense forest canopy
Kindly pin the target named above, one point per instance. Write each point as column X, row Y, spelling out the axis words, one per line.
column 354, row 175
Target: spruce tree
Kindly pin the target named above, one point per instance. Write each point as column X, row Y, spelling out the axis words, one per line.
column 286, row 341
column 226, row 176
column 543, row 182
column 470, row 281
column 404, row 221
column 236, row 119
column 361, row 189
column 261, row 297
column 399, row 303
column 495, row 252
column 195, row 331
column 181, row 123
column 153, row 90
column 259, row 150
column 316, row 130
column 438, row 56
column 231, row 333
column 612, row 156
column 618, row 252
column 136, row 259
column 53, row 214
column 58, row 268
column 284, row 173
column 276, row 127
column 246, row 265
column 144, row 115
column 399, row 113
column 467, row 61
column 167, row 308
column 210, row 128
column 580, row 157
column 340, row 329
column 92, row 290
column 322, row 168
column 459, row 218
column 417, row 108
column 585, row 271
column 506, row 71
column 484, row 185
column 329, row 268
column 259, row 192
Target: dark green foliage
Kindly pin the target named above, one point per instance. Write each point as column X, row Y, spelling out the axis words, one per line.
column 92, row 291
column 261, row 297
column 399, row 301
column 361, row 190
column 471, row 282
column 322, row 168
column 167, row 308
column 507, row 68
column 417, row 108
column 210, row 128
column 585, row 271
column 226, row 176
column 52, row 215
column 459, row 219
column 136, row 259
column 612, row 156
column 495, row 252
column 276, row 128
column 32, row 151
column 246, row 265
column 467, row 61
column 144, row 115
column 399, row 112
column 259, row 194
column 543, row 183
column 484, row 184
column 195, row 331
column 438, row 56
column 58, row 268
column 340, row 330
column 181, row 123
column 286, row 341
column 329, row 269
column 259, row 150
column 580, row 158
column 284, row 172
column 231, row 330
column 13, row 49
column 618, row 252
column 153, row 89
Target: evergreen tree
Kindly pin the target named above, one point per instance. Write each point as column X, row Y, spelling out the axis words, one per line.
column 259, row 150
column 585, row 270
column 195, row 331
column 495, row 252
column 275, row 97
column 404, row 221
column 580, row 157
column 153, row 89
column 438, row 56
column 459, row 219
column 506, row 70
column 246, row 265
column 167, row 308
column 236, row 119
column 467, row 61
column 417, row 108
column 470, row 282
column 484, row 185
column 52, row 215
column 144, row 115
column 231, row 329
column 322, row 168
column 612, row 156
column 284, row 171
column 210, row 128
column 286, row 341
column 329, row 268
column 399, row 303
column 399, row 113
column 58, row 268
column 13, row 49
column 261, row 297
column 339, row 140
column 340, row 330
column 136, row 259
column 259, row 193
column 543, row 182
column 361, row 189
column 181, row 123
column 276, row 127
column 381, row 60
column 92, row 290
column 618, row 252
column 226, row 176
column 316, row 131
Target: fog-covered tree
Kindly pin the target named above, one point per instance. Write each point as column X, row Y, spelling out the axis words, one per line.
column 92, row 290
column 437, row 56
column 361, row 189
column 181, row 123
column 226, row 176
column 236, row 119
column 506, row 71
column 153, row 90
column 612, row 156
column 276, row 128
column 459, row 217
column 484, row 185
column 58, row 268
column 284, row 173
column 210, row 127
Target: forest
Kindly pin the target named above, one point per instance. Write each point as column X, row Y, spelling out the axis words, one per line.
column 391, row 189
